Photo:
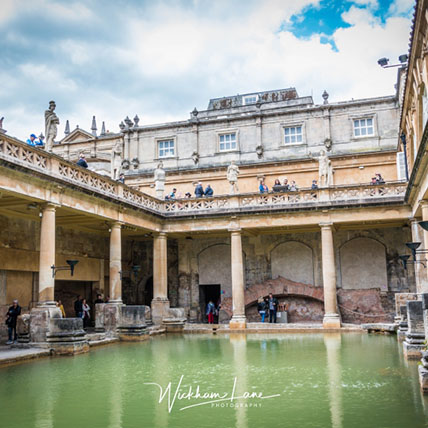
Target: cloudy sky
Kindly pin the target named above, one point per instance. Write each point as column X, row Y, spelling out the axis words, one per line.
column 160, row 59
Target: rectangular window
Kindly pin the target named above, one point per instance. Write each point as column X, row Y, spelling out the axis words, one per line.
column 363, row 127
column 166, row 148
column 227, row 142
column 401, row 166
column 293, row 134
column 250, row 99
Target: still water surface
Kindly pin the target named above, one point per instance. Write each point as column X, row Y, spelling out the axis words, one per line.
column 307, row 380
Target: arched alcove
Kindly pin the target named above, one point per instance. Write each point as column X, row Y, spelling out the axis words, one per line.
column 363, row 264
column 293, row 260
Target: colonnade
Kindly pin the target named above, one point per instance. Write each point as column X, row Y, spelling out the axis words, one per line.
column 160, row 302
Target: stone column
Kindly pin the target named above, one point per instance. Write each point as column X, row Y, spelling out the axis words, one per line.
column 331, row 316
column 47, row 256
column 238, row 320
column 115, row 263
column 417, row 236
column 46, row 308
column 415, row 335
column 160, row 302
column 424, row 276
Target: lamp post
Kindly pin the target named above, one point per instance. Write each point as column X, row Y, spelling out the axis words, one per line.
column 383, row 62
column 70, row 267
column 403, row 140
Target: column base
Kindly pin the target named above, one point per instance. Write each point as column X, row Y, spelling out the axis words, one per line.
column 238, row 322
column 39, row 321
column 331, row 321
column 160, row 308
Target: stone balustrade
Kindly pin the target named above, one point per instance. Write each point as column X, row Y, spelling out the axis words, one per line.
column 38, row 160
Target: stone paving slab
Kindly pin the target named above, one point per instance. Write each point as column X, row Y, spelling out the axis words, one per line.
column 11, row 354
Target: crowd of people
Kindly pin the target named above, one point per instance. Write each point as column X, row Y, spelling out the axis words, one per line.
column 200, row 192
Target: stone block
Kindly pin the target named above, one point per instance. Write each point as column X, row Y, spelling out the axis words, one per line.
column 66, row 336
column 282, row 317
column 148, row 315
column 415, row 335
column 132, row 323
column 111, row 318
column 99, row 317
column 423, row 379
column 160, row 309
column 23, row 328
column 402, row 298
column 39, row 322
column 238, row 323
column 331, row 321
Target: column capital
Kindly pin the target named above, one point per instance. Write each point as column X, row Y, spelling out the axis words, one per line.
column 423, row 203
column 235, row 231
column 162, row 235
column 49, row 206
column 116, row 224
column 326, row 225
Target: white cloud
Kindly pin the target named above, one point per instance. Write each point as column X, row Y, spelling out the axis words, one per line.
column 175, row 58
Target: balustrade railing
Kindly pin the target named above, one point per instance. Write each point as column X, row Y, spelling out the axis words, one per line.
column 53, row 165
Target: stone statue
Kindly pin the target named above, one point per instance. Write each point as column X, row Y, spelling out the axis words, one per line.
column 232, row 177
column 325, row 169
column 195, row 157
column 116, row 161
column 159, row 180
column 51, row 122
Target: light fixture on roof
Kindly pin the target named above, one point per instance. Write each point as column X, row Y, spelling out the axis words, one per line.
column 383, row 62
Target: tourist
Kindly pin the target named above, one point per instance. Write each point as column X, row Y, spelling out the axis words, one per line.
column 293, row 186
column 172, row 194
column 261, row 307
column 32, row 140
column 99, row 299
column 61, row 307
column 286, row 185
column 187, row 195
column 277, row 182
column 210, row 312
column 263, row 188
column 209, row 191
column 314, row 185
column 374, row 181
column 121, row 178
column 107, row 299
column 273, row 306
column 82, row 161
column 379, row 179
column 199, row 190
column 11, row 318
column 78, row 309
column 86, row 313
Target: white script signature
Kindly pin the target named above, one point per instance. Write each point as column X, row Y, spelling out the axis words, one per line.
column 210, row 397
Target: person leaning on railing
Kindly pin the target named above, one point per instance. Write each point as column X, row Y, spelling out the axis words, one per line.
column 263, row 188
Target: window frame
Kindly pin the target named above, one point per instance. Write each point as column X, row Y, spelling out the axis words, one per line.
column 245, row 97
column 289, row 125
column 222, row 133
column 371, row 116
column 159, row 140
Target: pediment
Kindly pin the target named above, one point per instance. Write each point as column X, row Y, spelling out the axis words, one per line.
column 77, row 136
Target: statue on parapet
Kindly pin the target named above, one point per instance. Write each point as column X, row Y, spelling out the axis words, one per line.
column 116, row 161
column 325, row 169
column 232, row 177
column 51, row 122
column 159, row 177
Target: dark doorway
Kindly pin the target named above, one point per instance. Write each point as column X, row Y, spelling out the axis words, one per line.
column 148, row 292
column 67, row 292
column 208, row 292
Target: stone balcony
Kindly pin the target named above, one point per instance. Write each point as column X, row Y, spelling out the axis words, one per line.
column 33, row 160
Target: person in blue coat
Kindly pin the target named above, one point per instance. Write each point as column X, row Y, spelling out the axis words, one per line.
column 199, row 190
column 209, row 191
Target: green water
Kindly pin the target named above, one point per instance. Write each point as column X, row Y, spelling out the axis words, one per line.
column 349, row 380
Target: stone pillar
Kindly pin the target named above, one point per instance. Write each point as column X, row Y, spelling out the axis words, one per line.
column 331, row 315
column 415, row 335
column 403, row 326
column 417, row 236
column 47, row 257
column 115, row 264
column 424, row 276
column 238, row 320
column 46, row 308
column 160, row 302
column 423, row 368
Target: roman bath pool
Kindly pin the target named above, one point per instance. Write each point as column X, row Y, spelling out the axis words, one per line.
column 254, row 380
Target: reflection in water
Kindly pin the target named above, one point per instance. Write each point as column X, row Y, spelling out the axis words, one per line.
column 45, row 403
column 332, row 342
column 116, row 405
column 239, row 343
